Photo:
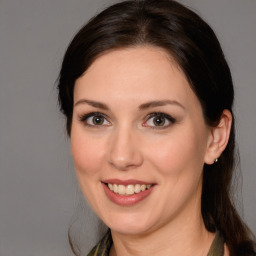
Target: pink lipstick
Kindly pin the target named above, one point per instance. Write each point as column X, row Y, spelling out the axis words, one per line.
column 127, row 192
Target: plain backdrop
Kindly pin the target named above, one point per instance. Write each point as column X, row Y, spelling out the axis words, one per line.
column 38, row 189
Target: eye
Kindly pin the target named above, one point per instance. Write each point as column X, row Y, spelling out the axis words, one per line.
column 95, row 119
column 160, row 120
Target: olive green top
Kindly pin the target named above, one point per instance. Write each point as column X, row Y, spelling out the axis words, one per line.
column 104, row 245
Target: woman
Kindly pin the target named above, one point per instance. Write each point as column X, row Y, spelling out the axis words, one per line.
column 148, row 97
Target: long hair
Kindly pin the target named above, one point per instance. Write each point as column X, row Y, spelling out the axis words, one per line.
column 197, row 51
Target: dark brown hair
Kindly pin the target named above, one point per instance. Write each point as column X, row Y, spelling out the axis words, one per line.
column 194, row 46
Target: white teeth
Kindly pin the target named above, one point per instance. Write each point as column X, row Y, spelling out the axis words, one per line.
column 121, row 190
column 128, row 190
column 115, row 189
column 143, row 187
column 137, row 188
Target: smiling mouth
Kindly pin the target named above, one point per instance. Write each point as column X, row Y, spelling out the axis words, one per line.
column 129, row 189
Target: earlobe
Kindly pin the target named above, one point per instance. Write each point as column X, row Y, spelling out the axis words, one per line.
column 219, row 138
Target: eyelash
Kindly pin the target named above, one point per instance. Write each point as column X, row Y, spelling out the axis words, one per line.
column 160, row 115
column 84, row 119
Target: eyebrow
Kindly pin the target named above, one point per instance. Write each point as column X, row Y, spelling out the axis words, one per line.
column 143, row 106
column 160, row 103
column 92, row 103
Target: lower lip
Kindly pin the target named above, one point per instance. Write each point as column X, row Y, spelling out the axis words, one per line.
column 126, row 200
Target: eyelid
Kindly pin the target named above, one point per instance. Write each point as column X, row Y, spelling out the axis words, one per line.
column 159, row 114
column 85, row 117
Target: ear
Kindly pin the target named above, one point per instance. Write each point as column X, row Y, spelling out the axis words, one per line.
column 218, row 138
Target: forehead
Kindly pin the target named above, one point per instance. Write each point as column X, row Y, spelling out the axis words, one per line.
column 144, row 57
column 138, row 72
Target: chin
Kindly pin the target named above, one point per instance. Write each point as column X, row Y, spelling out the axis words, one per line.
column 129, row 224
column 129, row 230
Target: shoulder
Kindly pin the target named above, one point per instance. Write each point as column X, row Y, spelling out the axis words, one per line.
column 102, row 248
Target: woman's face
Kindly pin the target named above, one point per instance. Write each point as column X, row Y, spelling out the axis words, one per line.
column 138, row 128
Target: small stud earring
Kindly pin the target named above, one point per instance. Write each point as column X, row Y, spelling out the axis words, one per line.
column 216, row 160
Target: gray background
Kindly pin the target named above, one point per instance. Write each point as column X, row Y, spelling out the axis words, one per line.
column 38, row 189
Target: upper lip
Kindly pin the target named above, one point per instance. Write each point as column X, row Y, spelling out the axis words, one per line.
column 127, row 182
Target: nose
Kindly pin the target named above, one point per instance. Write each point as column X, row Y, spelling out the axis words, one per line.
column 124, row 151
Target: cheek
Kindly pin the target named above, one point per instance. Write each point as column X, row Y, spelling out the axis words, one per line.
column 178, row 161
column 87, row 157
column 179, row 157
column 176, row 153
column 87, row 153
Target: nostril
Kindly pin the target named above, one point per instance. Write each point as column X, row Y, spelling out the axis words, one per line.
column 123, row 152
column 125, row 160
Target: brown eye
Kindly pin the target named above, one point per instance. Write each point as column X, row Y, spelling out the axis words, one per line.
column 95, row 119
column 159, row 121
column 98, row 120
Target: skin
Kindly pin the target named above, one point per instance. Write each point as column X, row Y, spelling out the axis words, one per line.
column 128, row 145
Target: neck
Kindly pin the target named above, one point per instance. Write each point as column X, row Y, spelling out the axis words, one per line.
column 184, row 236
